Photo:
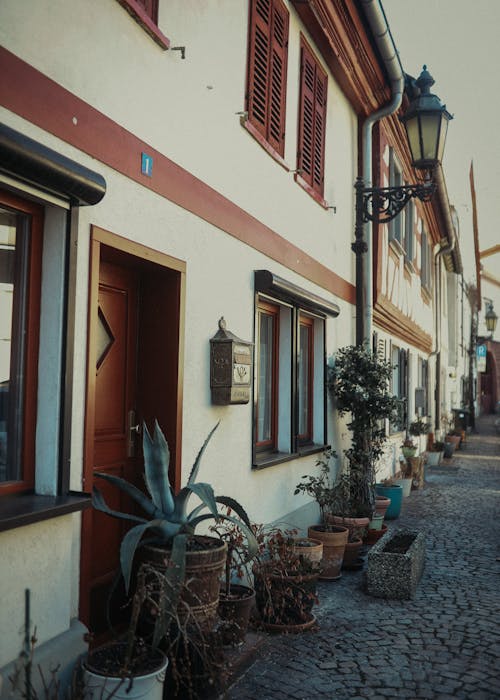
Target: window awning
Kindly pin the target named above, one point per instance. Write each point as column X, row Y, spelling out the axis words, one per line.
column 29, row 161
column 268, row 283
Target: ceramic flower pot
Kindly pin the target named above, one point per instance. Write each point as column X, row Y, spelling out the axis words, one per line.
column 334, row 539
column 382, row 503
column 309, row 548
column 234, row 611
column 376, row 522
column 395, row 493
column 405, row 485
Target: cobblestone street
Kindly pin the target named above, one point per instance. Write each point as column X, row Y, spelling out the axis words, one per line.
column 444, row 644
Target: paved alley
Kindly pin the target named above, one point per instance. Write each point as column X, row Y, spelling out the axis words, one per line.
column 444, row 644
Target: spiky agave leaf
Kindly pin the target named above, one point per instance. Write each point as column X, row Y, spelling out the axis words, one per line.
column 206, row 495
column 156, row 463
column 100, row 504
column 174, row 580
column 196, row 466
column 234, row 505
column 131, row 541
column 136, row 494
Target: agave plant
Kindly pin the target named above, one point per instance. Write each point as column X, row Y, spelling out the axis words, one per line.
column 167, row 514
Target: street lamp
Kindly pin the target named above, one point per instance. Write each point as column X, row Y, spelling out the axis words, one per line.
column 426, row 122
column 490, row 318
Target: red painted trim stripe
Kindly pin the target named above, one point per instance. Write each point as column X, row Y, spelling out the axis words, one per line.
column 35, row 97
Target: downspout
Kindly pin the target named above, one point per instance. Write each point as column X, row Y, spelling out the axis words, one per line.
column 377, row 21
column 445, row 206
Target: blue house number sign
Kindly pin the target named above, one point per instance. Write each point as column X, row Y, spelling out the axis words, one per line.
column 146, row 165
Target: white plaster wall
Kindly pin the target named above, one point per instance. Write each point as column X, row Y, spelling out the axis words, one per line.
column 38, row 557
column 187, row 108
column 97, row 51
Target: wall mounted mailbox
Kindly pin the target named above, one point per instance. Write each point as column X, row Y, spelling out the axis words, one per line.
column 230, row 367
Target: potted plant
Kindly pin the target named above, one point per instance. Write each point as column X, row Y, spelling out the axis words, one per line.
column 435, row 453
column 333, row 536
column 409, row 448
column 359, row 381
column 173, row 547
column 285, row 582
column 393, row 491
column 128, row 667
column 237, row 596
column 419, row 427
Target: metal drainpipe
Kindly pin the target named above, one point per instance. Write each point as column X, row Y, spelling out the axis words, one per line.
column 376, row 18
column 443, row 195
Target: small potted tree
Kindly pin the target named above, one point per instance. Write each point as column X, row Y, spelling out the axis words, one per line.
column 360, row 381
column 332, row 535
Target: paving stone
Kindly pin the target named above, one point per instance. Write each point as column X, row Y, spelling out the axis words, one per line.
column 442, row 644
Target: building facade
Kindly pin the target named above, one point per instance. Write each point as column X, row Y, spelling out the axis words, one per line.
column 163, row 167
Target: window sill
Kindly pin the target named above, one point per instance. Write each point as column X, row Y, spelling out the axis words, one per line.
column 269, row 459
column 310, row 191
column 25, row 509
column 144, row 20
column 246, row 124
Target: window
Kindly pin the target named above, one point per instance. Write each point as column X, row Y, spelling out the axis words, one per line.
column 20, row 274
column 267, row 66
column 312, row 121
column 395, row 180
column 409, row 234
column 305, row 374
column 267, row 395
column 289, row 403
column 425, row 270
column 400, row 362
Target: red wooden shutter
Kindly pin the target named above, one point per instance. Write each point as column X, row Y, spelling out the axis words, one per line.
column 312, row 121
column 277, row 84
column 267, row 63
column 151, row 8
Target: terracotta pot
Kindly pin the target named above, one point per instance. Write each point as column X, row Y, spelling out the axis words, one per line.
column 283, row 598
column 334, row 542
column 234, row 612
column 351, row 553
column 382, row 503
column 309, row 548
column 204, row 570
column 376, row 522
column 373, row 536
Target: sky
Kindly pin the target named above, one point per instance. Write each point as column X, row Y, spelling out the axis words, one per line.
column 458, row 40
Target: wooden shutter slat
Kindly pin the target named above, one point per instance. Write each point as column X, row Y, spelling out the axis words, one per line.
column 277, row 84
column 267, row 62
column 312, row 121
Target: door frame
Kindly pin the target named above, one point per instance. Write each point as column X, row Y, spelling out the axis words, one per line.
column 120, row 246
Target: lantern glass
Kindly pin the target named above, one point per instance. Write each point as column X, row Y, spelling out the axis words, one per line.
column 491, row 320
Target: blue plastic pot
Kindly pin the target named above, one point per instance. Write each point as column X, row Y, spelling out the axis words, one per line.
column 395, row 493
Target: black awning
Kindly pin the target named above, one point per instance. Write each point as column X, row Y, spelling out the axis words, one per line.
column 269, row 283
column 30, row 161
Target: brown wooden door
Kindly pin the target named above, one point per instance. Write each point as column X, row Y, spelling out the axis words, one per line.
column 115, row 441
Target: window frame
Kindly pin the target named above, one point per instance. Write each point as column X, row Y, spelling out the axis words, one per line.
column 287, row 444
column 147, row 18
column 35, row 217
column 305, row 321
column 409, row 233
column 425, row 259
column 272, row 83
column 311, row 169
column 397, row 225
column 272, row 310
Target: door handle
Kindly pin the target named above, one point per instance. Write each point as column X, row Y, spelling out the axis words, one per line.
column 134, row 430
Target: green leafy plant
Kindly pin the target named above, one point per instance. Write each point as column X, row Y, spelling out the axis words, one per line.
column 419, row 427
column 360, row 381
column 166, row 514
column 320, row 487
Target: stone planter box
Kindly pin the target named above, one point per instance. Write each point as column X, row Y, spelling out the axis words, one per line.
column 395, row 565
